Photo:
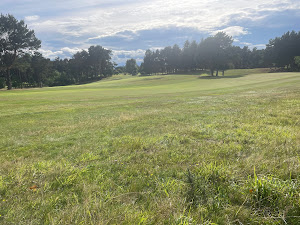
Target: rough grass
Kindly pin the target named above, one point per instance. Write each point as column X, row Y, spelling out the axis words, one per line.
column 153, row 150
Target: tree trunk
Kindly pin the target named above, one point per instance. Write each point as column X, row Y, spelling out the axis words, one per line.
column 223, row 73
column 212, row 72
column 8, row 80
column 217, row 73
column 20, row 79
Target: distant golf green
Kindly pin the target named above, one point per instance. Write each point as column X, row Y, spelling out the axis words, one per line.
column 165, row 149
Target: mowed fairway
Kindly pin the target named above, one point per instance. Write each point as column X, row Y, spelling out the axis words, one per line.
column 172, row 149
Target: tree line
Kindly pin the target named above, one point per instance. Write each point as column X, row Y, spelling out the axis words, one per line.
column 21, row 65
column 216, row 53
column 37, row 71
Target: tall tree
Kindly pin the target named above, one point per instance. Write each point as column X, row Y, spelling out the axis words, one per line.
column 98, row 60
column 79, row 66
column 175, row 58
column 21, row 66
column 15, row 39
column 41, row 68
column 186, row 56
column 281, row 51
column 148, row 64
column 214, row 52
column 131, row 67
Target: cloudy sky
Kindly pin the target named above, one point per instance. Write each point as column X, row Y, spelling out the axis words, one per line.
column 132, row 26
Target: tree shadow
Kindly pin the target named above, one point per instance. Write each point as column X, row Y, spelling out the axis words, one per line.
column 207, row 77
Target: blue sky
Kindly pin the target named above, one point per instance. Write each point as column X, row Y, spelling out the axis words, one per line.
column 130, row 27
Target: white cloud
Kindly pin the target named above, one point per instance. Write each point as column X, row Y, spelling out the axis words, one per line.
column 125, row 36
column 121, row 56
column 70, row 50
column 50, row 54
column 251, row 46
column 118, row 56
column 130, row 54
column 65, row 52
column 246, row 43
column 233, row 31
column 32, row 18
column 202, row 15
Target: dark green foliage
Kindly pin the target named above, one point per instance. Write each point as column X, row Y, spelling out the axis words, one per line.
column 131, row 67
column 88, row 66
column 41, row 68
column 2, row 83
column 119, row 70
column 214, row 53
column 98, row 61
column 15, row 39
column 38, row 71
column 281, row 51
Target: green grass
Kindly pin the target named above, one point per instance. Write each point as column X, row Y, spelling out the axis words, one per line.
column 163, row 149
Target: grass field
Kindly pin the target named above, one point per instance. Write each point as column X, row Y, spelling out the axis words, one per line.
column 172, row 149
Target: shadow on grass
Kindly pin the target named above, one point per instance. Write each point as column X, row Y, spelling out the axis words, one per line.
column 208, row 77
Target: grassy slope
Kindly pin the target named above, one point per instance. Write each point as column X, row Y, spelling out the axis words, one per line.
column 159, row 149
